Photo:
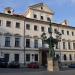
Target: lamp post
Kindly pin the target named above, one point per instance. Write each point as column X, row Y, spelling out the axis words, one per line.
column 51, row 59
column 51, row 50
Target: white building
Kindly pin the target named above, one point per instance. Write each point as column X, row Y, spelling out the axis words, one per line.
column 11, row 36
column 20, row 36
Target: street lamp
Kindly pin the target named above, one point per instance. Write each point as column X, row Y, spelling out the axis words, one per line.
column 51, row 50
column 50, row 41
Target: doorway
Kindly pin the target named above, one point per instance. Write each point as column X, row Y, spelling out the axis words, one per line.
column 44, row 58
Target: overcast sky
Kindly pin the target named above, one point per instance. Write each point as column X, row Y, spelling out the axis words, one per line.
column 64, row 9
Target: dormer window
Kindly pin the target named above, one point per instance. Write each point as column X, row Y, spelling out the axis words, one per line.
column 9, row 11
column 41, row 8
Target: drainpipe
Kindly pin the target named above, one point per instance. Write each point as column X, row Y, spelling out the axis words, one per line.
column 24, row 41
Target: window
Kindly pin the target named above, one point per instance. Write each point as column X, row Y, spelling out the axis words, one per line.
column 6, row 56
column 65, row 58
column 63, row 45
column 70, row 57
column 16, row 57
column 73, row 45
column 17, row 25
column 0, row 22
column 42, row 43
column 48, row 19
column 56, row 46
column 7, row 41
column 42, row 29
column 36, row 57
column 27, row 57
column 33, row 57
column 41, row 17
column 17, row 42
column 69, row 46
column 35, row 43
column 62, row 31
column 28, row 43
column 55, row 30
column 57, row 56
column 35, row 16
column 49, row 30
column 41, row 8
column 9, row 11
column 35, row 28
column 67, row 32
column 72, row 33
column 28, row 26
column 8, row 23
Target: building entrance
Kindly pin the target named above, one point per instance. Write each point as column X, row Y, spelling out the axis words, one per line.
column 44, row 58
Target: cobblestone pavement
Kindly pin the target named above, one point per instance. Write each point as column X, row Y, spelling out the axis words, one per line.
column 27, row 71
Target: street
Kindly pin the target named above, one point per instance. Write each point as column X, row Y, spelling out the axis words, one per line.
column 27, row 71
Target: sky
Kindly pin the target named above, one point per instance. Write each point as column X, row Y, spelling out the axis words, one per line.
column 63, row 9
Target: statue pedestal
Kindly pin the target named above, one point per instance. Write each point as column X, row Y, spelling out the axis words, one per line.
column 52, row 65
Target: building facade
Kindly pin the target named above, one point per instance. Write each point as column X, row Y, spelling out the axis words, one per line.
column 20, row 36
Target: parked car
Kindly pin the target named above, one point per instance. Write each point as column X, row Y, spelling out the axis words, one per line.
column 3, row 63
column 14, row 64
column 71, row 66
column 33, row 65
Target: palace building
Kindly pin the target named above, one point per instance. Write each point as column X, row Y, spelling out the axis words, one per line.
column 20, row 36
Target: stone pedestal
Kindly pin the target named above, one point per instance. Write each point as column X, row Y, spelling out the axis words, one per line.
column 52, row 65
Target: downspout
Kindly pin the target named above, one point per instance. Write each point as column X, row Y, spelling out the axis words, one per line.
column 24, row 41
